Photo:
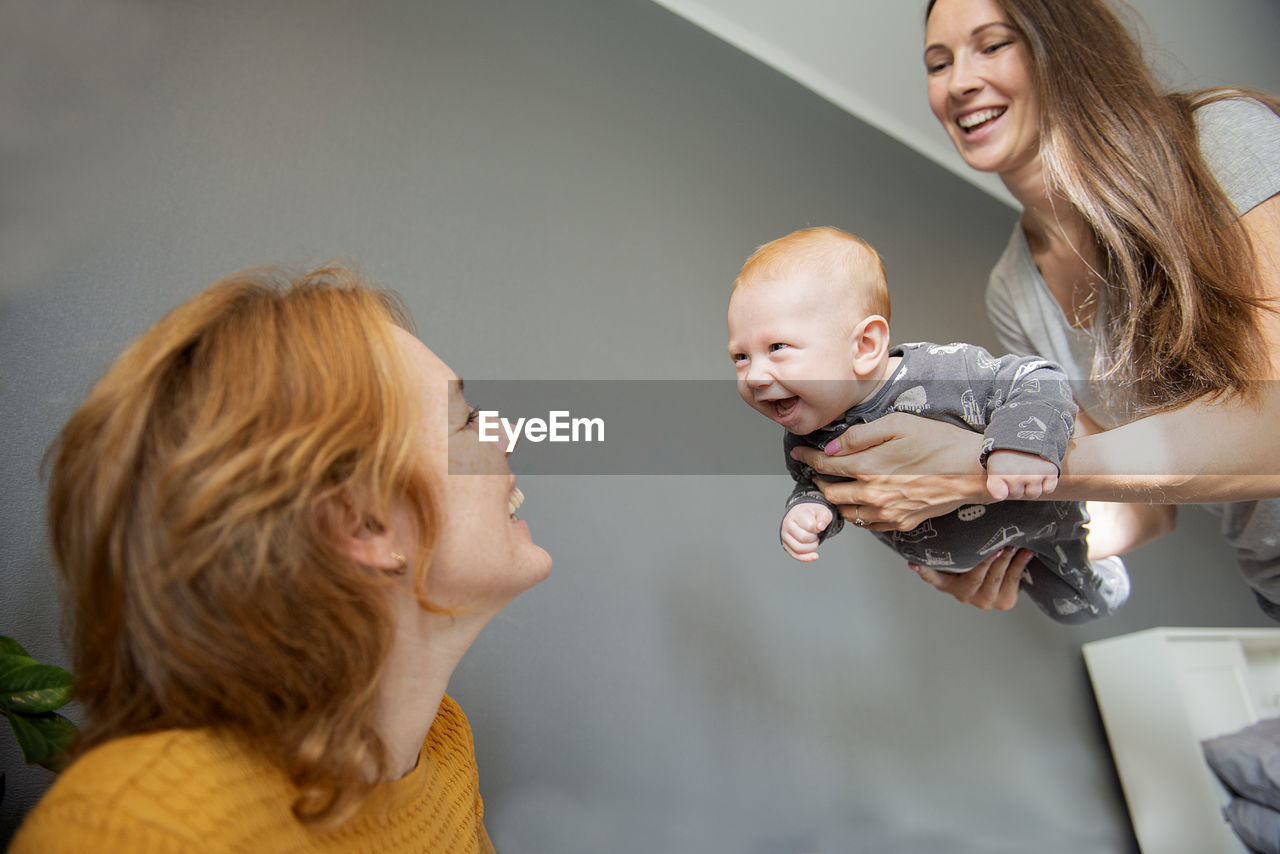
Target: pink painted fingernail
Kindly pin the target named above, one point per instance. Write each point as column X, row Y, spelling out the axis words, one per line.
column 831, row 447
column 915, row 567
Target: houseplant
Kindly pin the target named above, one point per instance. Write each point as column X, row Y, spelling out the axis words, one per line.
column 30, row 694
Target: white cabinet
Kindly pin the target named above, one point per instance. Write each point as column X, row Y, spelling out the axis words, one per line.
column 1161, row 692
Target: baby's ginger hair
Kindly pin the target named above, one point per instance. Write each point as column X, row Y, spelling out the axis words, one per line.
column 825, row 252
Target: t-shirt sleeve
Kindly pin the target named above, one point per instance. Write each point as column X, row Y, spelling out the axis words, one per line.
column 1240, row 142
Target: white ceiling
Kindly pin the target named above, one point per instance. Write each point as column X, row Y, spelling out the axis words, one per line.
column 864, row 55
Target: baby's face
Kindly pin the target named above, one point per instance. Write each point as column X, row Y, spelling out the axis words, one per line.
column 792, row 347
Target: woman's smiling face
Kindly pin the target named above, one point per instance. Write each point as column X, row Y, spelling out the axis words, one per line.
column 981, row 85
column 484, row 556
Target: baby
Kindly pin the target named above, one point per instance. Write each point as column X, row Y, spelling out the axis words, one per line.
column 809, row 339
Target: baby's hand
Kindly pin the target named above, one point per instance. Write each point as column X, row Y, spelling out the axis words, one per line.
column 1013, row 474
column 801, row 527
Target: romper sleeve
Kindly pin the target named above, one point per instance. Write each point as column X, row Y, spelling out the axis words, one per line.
column 1030, row 407
column 806, row 490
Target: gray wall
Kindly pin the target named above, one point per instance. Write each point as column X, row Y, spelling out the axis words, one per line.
column 563, row 190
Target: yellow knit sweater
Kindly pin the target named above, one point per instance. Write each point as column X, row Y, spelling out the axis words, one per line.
column 197, row 790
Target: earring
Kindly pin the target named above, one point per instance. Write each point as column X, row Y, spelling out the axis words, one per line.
column 402, row 561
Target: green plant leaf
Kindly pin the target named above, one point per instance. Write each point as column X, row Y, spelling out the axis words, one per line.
column 44, row 738
column 10, row 662
column 28, row 687
column 11, row 647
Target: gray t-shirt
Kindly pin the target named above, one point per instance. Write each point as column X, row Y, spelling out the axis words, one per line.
column 1240, row 141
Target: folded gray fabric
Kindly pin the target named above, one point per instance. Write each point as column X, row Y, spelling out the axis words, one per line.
column 1257, row 826
column 1248, row 761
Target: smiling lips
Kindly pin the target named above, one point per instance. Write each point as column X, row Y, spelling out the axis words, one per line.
column 971, row 122
column 783, row 408
column 514, row 500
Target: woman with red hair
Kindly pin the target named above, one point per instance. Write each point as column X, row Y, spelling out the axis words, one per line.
column 277, row 533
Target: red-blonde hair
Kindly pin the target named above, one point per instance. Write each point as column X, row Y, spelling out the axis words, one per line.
column 192, row 500
column 827, row 252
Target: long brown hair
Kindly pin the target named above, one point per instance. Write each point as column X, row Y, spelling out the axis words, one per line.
column 1180, row 289
column 189, row 504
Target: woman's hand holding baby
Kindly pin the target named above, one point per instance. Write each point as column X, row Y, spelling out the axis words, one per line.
column 801, row 528
column 1016, row 475
column 991, row 585
column 906, row 469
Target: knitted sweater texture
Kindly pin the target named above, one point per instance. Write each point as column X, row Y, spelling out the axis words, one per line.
column 200, row 790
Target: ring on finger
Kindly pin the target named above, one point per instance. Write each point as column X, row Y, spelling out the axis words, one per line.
column 857, row 518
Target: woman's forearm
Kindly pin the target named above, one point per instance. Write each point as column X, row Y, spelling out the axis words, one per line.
column 1205, row 452
column 1116, row 528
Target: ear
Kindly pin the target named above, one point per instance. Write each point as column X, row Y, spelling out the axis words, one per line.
column 359, row 533
column 869, row 342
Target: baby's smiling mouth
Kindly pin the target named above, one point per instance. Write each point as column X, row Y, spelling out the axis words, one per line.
column 784, row 407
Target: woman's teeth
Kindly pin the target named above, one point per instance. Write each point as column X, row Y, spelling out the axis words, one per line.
column 514, row 501
column 972, row 120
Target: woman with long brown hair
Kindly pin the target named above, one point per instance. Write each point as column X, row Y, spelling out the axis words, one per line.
column 1146, row 261
column 277, row 533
